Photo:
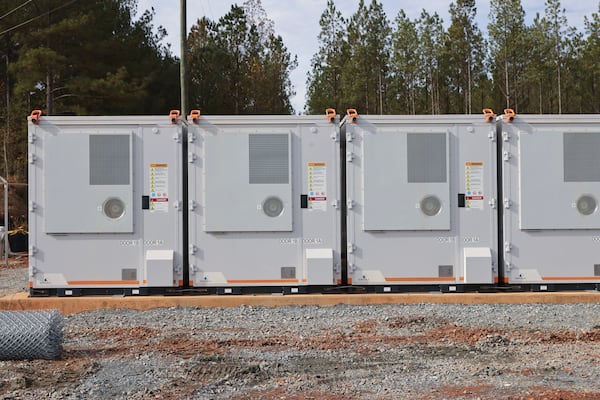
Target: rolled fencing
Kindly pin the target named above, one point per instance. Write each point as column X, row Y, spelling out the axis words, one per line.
column 30, row 334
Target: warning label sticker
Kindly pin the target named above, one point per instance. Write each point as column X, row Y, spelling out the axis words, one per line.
column 159, row 184
column 474, row 185
column 317, row 186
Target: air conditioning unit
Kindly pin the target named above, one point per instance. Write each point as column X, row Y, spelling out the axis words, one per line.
column 421, row 201
column 264, row 202
column 105, row 209
column 551, row 190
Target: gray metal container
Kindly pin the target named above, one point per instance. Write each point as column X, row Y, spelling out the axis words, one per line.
column 421, row 200
column 264, row 202
column 105, row 203
column 551, row 193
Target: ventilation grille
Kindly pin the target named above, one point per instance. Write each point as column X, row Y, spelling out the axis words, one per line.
column 109, row 159
column 581, row 157
column 269, row 158
column 445, row 271
column 128, row 274
column 596, row 269
column 426, row 158
column 288, row 272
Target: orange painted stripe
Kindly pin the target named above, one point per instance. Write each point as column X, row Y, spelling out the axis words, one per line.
column 571, row 278
column 103, row 282
column 462, row 279
column 30, row 284
column 262, row 281
column 427, row 279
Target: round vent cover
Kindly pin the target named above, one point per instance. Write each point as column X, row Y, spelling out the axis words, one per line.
column 586, row 204
column 273, row 206
column 113, row 208
column 430, row 205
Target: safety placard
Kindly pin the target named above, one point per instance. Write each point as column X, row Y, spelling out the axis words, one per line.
column 159, row 184
column 317, row 186
column 474, row 185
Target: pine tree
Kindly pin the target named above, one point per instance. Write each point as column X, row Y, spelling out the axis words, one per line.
column 238, row 65
column 432, row 37
column 508, row 56
column 405, row 65
column 366, row 72
column 324, row 83
column 590, row 66
column 464, row 54
column 559, row 36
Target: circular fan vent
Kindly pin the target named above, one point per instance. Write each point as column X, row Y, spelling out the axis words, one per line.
column 273, row 206
column 430, row 205
column 586, row 204
column 113, row 208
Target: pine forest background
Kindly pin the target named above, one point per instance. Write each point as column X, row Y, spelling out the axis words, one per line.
column 102, row 57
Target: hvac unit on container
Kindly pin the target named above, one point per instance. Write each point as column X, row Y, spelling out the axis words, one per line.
column 263, row 200
column 105, row 210
column 551, row 194
column 421, row 201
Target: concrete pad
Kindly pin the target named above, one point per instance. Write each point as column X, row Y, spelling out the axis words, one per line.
column 71, row 305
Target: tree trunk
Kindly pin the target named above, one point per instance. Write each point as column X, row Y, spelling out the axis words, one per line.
column 49, row 97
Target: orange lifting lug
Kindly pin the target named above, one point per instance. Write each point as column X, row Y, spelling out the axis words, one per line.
column 195, row 116
column 352, row 114
column 174, row 115
column 489, row 115
column 510, row 114
column 35, row 116
column 330, row 114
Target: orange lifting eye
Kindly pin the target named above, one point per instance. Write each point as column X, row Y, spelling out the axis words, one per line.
column 174, row 115
column 352, row 114
column 330, row 114
column 510, row 114
column 489, row 115
column 195, row 116
column 35, row 116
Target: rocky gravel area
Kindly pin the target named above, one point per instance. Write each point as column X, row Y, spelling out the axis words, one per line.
column 14, row 278
column 423, row 351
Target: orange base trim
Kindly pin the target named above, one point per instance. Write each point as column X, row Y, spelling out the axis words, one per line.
column 571, row 278
column 77, row 283
column 426, row 279
column 262, row 281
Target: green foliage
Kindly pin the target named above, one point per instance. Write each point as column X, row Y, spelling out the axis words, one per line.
column 238, row 65
column 324, row 85
column 419, row 67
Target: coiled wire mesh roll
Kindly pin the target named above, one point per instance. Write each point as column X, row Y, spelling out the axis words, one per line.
column 30, row 334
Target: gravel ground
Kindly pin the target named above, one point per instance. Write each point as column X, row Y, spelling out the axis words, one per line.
column 423, row 351
column 14, row 278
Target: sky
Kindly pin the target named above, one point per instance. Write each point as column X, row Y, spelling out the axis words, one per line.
column 297, row 22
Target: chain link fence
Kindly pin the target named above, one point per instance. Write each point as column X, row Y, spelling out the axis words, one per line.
column 30, row 334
